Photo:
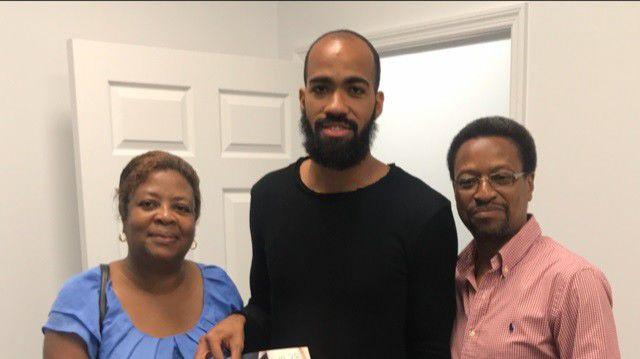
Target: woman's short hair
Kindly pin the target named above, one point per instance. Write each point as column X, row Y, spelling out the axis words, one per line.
column 140, row 167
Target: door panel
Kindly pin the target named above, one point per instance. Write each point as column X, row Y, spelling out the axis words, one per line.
column 233, row 118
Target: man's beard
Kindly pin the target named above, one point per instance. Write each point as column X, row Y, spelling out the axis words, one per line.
column 336, row 153
column 502, row 233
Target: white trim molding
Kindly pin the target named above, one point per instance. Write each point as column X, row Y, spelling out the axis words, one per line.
column 505, row 20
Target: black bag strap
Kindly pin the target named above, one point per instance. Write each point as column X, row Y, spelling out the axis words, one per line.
column 102, row 299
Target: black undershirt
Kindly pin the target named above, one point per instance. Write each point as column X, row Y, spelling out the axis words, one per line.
column 361, row 274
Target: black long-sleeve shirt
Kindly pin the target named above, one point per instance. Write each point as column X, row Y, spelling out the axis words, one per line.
column 362, row 274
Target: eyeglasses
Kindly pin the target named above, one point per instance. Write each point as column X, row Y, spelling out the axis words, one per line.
column 497, row 180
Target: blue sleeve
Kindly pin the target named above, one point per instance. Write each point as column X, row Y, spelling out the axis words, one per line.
column 221, row 295
column 75, row 310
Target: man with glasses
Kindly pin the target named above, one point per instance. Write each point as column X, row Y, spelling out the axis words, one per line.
column 519, row 294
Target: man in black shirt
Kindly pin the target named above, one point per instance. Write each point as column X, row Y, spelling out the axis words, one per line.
column 352, row 257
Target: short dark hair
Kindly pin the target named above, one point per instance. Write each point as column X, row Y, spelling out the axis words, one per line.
column 337, row 33
column 501, row 127
column 142, row 166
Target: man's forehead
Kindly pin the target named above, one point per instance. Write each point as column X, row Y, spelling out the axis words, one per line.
column 331, row 45
column 341, row 49
column 488, row 149
column 339, row 40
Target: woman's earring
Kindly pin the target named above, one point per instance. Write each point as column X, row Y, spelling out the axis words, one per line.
column 122, row 237
column 194, row 245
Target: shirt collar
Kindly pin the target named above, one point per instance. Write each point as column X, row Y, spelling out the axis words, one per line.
column 507, row 257
column 515, row 249
column 466, row 260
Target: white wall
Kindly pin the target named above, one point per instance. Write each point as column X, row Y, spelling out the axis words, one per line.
column 582, row 109
column 583, row 106
column 39, row 240
column 300, row 22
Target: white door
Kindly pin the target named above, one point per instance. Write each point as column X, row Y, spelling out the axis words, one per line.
column 233, row 118
column 430, row 96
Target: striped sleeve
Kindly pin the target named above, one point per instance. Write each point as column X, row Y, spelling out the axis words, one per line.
column 585, row 326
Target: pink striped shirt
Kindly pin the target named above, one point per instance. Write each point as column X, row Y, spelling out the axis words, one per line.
column 538, row 300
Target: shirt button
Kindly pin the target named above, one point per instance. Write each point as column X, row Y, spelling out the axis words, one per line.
column 472, row 333
column 506, row 269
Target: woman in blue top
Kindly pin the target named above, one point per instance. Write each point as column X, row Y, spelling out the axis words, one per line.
column 157, row 303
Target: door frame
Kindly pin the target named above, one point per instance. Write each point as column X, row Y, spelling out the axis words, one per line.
column 504, row 22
